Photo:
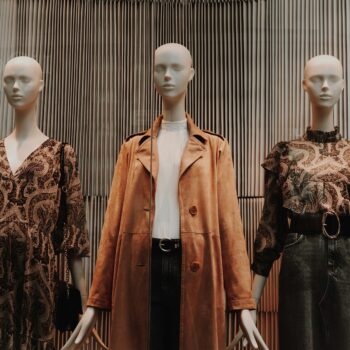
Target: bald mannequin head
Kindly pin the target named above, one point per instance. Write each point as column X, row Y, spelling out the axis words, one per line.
column 174, row 49
column 25, row 61
column 172, row 70
column 22, row 82
column 323, row 63
column 323, row 80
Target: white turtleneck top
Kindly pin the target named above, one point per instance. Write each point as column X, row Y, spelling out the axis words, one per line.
column 171, row 142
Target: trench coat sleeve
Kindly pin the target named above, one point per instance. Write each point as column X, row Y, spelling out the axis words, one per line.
column 101, row 290
column 236, row 268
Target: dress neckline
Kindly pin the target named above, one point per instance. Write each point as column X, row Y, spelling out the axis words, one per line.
column 322, row 136
column 30, row 155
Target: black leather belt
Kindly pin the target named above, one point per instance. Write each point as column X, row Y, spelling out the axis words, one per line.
column 166, row 245
column 329, row 224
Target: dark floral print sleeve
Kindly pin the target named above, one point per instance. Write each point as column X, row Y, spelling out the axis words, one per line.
column 273, row 223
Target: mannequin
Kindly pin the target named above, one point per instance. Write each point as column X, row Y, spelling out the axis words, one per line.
column 323, row 81
column 172, row 73
column 24, row 147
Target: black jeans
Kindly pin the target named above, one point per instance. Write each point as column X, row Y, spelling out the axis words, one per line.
column 165, row 298
column 314, row 298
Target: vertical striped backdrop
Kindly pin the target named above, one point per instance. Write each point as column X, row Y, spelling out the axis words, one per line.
column 248, row 55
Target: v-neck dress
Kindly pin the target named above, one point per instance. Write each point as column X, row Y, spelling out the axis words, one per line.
column 29, row 242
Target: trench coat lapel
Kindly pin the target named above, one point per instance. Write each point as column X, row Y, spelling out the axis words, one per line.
column 193, row 151
column 146, row 146
column 144, row 156
column 195, row 147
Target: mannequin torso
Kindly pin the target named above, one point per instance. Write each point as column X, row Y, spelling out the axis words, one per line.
column 324, row 83
column 172, row 73
column 171, row 141
column 24, row 151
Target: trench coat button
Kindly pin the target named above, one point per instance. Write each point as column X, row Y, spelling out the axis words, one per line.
column 193, row 210
column 195, row 266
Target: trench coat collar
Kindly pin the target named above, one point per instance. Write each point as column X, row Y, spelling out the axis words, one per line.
column 194, row 149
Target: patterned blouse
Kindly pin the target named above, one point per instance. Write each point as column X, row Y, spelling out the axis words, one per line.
column 29, row 207
column 307, row 175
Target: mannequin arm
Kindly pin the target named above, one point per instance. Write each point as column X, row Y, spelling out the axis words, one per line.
column 258, row 287
column 76, row 268
column 257, row 290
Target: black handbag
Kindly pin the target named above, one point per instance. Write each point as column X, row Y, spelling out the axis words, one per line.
column 68, row 303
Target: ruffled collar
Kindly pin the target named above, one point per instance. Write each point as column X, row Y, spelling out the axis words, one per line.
column 322, row 136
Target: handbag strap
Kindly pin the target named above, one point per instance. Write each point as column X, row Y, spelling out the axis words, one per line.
column 63, row 190
column 63, row 175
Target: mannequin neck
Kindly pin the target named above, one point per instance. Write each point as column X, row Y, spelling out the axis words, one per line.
column 174, row 110
column 322, row 119
column 26, row 123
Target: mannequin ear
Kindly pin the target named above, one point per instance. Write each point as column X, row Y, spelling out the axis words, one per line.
column 304, row 85
column 192, row 71
column 41, row 85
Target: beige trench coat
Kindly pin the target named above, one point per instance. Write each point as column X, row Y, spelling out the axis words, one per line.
column 214, row 257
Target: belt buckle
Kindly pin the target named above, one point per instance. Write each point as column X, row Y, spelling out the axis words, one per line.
column 324, row 224
column 161, row 245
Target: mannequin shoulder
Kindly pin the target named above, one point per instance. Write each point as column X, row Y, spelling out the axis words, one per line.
column 68, row 148
column 136, row 136
column 283, row 145
column 217, row 142
column 69, row 151
column 214, row 134
column 344, row 140
column 343, row 144
column 279, row 149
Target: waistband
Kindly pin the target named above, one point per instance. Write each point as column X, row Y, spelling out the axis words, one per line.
column 329, row 224
column 166, row 245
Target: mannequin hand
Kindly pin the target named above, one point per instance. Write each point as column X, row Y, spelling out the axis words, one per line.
column 240, row 334
column 248, row 331
column 83, row 330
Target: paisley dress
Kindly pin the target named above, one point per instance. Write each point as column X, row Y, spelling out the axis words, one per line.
column 29, row 208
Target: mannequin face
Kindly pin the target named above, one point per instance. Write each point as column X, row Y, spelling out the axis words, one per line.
column 323, row 80
column 172, row 70
column 22, row 82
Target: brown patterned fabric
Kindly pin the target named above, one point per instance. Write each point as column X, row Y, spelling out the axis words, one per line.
column 307, row 175
column 29, row 207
